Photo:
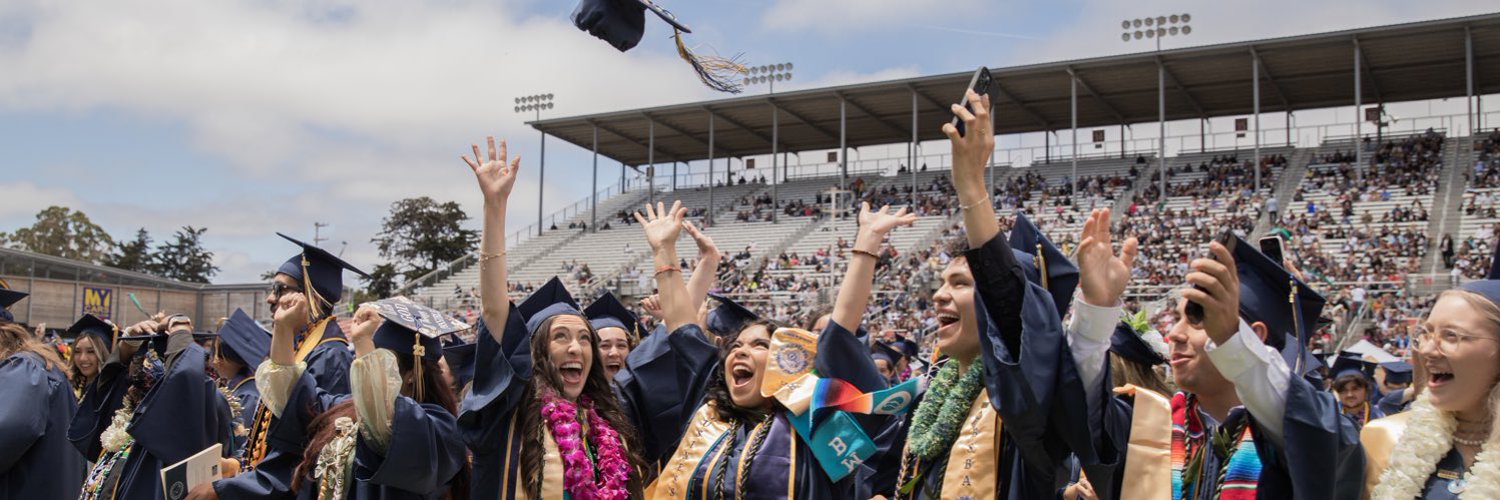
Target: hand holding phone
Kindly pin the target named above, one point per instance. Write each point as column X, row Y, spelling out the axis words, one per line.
column 980, row 83
column 1194, row 310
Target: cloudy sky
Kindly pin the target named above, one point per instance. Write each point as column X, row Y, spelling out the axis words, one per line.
column 254, row 116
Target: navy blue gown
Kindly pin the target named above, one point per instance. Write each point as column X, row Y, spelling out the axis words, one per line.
column 243, row 387
column 36, row 459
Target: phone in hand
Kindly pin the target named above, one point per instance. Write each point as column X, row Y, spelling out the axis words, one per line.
column 1273, row 248
column 980, row 83
column 1195, row 310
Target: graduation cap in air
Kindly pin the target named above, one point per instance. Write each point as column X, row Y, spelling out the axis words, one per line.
column 608, row 312
column 412, row 329
column 1266, row 295
column 461, row 362
column 550, row 300
column 245, row 339
column 1489, row 287
column 622, row 23
column 1035, row 252
column 729, row 317
column 1129, row 344
column 320, row 273
column 1349, row 363
column 102, row 331
column 1397, row 372
column 8, row 297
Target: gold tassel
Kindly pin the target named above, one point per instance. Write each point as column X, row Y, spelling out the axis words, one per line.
column 314, row 299
column 1041, row 265
column 417, row 351
column 718, row 73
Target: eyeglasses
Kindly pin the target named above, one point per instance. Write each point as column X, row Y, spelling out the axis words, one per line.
column 278, row 289
column 1446, row 341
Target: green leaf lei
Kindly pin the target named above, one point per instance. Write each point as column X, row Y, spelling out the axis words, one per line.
column 941, row 412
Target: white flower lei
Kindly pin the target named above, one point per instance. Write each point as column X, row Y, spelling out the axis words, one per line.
column 1427, row 438
column 114, row 438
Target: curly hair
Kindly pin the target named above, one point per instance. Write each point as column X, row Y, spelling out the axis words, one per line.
column 718, row 386
column 596, row 386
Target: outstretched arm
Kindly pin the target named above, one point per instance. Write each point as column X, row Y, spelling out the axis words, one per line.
column 496, row 174
column 970, row 155
column 707, row 270
column 854, row 293
column 662, row 226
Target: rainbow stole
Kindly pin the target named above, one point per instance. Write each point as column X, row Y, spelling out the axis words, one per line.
column 1241, row 474
column 837, row 442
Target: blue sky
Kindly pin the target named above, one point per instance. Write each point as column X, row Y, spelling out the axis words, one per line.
column 255, row 116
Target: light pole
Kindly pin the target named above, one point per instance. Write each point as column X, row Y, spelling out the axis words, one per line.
column 770, row 74
column 537, row 103
column 1157, row 28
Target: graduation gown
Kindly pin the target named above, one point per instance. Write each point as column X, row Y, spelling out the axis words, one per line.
column 243, row 387
column 181, row 415
column 1321, row 457
column 1391, row 404
column 784, row 465
column 101, row 398
column 328, row 364
column 662, row 383
column 36, row 458
column 425, row 451
column 1030, row 392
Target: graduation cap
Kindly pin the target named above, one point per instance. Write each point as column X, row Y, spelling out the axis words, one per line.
column 622, row 23
column 413, row 329
column 729, row 317
column 8, row 297
column 241, row 335
column 321, row 273
column 550, row 300
column 882, row 350
column 1489, row 287
column 461, row 362
column 1133, row 346
column 103, row 332
column 1349, row 363
column 1266, row 295
column 907, row 347
column 608, row 312
column 1035, row 252
column 1397, row 372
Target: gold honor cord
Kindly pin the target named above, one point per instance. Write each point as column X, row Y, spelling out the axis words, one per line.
column 1041, row 265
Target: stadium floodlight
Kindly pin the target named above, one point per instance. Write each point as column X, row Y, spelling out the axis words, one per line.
column 1157, row 28
column 536, row 103
column 768, row 74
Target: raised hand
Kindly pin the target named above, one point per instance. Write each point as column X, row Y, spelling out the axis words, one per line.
column 882, row 221
column 652, row 305
column 706, row 246
column 362, row 334
column 1218, row 292
column 496, row 172
column 662, row 226
column 1103, row 275
column 971, row 152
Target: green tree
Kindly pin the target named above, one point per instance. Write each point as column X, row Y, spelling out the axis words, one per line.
column 184, row 259
column 64, row 232
column 420, row 234
column 382, row 281
column 134, row 255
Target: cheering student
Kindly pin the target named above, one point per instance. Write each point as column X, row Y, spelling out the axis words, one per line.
column 301, row 298
column 1247, row 422
column 242, row 345
column 619, row 331
column 743, row 440
column 985, row 428
column 169, row 410
column 1354, row 385
column 395, row 435
column 541, row 420
column 92, row 340
column 36, row 459
column 1445, row 446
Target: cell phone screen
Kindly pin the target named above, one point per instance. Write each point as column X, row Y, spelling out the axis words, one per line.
column 1271, row 246
column 981, row 83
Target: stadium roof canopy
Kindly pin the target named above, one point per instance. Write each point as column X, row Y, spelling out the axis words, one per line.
column 15, row 262
column 1403, row 62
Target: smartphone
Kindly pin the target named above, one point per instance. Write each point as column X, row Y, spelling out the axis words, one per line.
column 1272, row 247
column 1194, row 309
column 981, row 83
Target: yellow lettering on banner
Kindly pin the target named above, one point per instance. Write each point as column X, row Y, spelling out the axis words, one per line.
column 971, row 463
column 706, row 428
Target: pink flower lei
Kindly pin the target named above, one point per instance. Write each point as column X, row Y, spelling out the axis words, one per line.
column 578, row 470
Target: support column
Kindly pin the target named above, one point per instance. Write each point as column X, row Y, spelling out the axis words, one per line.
column 843, row 160
column 1161, row 125
column 775, row 143
column 913, row 165
column 594, row 193
column 1073, row 101
column 1255, row 86
column 1359, row 119
column 541, row 185
column 1469, row 79
column 651, row 162
column 710, row 221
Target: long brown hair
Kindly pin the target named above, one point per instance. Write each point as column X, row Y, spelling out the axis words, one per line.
column 544, row 377
column 76, row 377
column 321, row 429
column 1123, row 371
column 15, row 339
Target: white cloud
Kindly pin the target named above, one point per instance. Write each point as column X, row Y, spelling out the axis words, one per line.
column 830, row 16
column 24, row 199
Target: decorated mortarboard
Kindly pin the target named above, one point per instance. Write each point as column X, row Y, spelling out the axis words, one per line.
column 8, row 297
column 547, row 301
column 1035, row 252
column 1266, row 295
column 244, row 337
column 608, row 312
column 622, row 23
column 729, row 317
column 1129, row 340
column 1349, row 363
column 1489, row 287
column 91, row 325
column 461, row 361
column 412, row 328
column 320, row 273
column 1397, row 372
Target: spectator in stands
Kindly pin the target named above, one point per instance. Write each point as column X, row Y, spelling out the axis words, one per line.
column 1447, row 248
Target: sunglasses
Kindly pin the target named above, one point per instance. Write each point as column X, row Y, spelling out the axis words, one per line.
column 278, row 289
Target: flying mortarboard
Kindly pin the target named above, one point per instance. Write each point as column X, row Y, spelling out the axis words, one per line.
column 321, row 274
column 8, row 297
column 1266, row 295
column 729, row 317
column 1034, row 251
column 608, row 312
column 622, row 23
column 550, row 300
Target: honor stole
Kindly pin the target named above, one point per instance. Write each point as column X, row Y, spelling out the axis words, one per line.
column 256, row 448
column 971, row 470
